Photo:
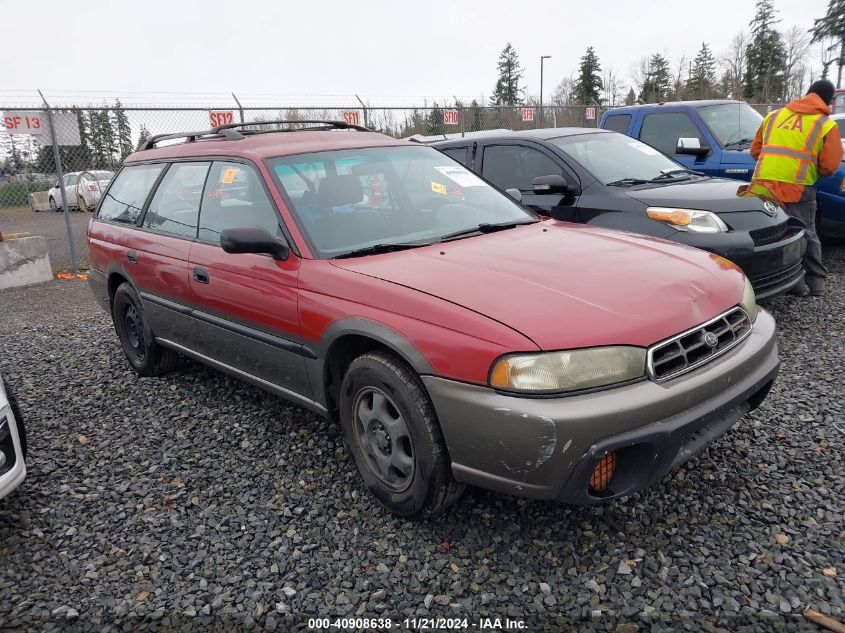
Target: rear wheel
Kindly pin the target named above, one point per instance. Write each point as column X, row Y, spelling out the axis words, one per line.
column 53, row 206
column 390, row 427
column 147, row 357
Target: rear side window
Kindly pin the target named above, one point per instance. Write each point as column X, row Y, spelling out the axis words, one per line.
column 460, row 154
column 175, row 206
column 235, row 197
column 663, row 129
column 128, row 192
column 617, row 123
column 514, row 166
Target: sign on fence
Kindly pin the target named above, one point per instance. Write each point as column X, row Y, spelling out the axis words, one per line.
column 36, row 123
column 221, row 117
column 590, row 113
column 351, row 117
column 451, row 117
column 527, row 114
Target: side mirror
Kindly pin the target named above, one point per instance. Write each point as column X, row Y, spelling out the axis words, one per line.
column 56, row 186
column 253, row 239
column 553, row 184
column 692, row 146
column 516, row 194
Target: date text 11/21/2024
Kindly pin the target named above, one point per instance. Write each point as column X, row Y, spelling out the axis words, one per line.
column 418, row 624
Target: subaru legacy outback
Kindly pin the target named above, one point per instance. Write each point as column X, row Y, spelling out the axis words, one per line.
column 457, row 337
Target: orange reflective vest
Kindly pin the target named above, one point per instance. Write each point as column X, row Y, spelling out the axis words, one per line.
column 791, row 146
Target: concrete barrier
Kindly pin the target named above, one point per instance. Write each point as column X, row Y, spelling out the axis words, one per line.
column 39, row 201
column 24, row 261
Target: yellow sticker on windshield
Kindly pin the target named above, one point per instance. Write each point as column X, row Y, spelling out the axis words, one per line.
column 436, row 187
column 229, row 175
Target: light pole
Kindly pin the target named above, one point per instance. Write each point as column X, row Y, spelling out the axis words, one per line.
column 542, row 58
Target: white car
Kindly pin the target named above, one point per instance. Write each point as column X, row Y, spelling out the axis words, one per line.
column 82, row 189
column 12, row 443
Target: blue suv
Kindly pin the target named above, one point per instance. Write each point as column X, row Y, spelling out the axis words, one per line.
column 714, row 137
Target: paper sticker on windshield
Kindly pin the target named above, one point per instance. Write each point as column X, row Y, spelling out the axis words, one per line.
column 229, row 175
column 436, row 187
column 461, row 175
column 645, row 149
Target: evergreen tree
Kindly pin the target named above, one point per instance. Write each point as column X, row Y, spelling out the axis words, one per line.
column 434, row 121
column 832, row 25
column 631, row 97
column 508, row 90
column 765, row 76
column 98, row 153
column 83, row 154
column 109, row 139
column 143, row 136
column 588, row 85
column 474, row 116
column 124, row 131
column 658, row 80
column 702, row 78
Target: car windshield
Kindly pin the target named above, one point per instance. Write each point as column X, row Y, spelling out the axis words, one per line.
column 611, row 157
column 347, row 201
column 733, row 124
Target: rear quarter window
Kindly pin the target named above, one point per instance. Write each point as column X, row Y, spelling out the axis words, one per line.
column 617, row 123
column 125, row 199
column 460, row 154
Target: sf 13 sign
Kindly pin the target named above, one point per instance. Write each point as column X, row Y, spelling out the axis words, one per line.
column 451, row 117
column 221, row 117
column 527, row 114
column 351, row 118
column 590, row 113
column 24, row 122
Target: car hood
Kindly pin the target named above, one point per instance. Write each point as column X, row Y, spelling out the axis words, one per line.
column 567, row 285
column 709, row 194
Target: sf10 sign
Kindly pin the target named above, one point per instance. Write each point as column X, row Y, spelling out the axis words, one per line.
column 590, row 113
column 451, row 117
column 351, row 118
column 527, row 114
column 221, row 117
column 24, row 123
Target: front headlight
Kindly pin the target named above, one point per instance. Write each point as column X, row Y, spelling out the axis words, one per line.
column 749, row 301
column 557, row 372
column 688, row 219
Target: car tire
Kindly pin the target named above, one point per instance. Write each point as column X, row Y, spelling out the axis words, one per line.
column 53, row 207
column 409, row 472
column 16, row 411
column 146, row 357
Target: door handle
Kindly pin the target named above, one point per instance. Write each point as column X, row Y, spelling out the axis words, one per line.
column 132, row 256
column 201, row 275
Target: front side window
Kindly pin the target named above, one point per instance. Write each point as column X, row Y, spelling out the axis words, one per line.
column 613, row 158
column 126, row 196
column 235, row 197
column 175, row 206
column 348, row 200
column 515, row 166
column 663, row 129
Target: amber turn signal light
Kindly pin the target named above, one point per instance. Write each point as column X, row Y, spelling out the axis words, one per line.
column 603, row 472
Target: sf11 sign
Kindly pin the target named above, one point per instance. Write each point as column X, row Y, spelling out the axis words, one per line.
column 24, row 122
column 451, row 117
column 221, row 117
column 590, row 113
column 351, row 118
column 527, row 114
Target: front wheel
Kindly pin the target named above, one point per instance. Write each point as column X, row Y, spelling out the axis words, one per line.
column 53, row 206
column 147, row 357
column 390, row 427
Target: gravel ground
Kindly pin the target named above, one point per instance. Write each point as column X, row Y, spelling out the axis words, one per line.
column 195, row 502
column 53, row 228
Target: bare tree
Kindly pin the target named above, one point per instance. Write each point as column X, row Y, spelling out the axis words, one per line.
column 564, row 92
column 639, row 73
column 733, row 63
column 612, row 87
column 678, row 80
column 797, row 44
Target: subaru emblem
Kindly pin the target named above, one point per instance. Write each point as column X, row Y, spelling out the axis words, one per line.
column 770, row 208
column 710, row 339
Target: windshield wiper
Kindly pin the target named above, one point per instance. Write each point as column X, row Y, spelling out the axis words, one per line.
column 384, row 247
column 484, row 227
column 680, row 170
column 627, row 181
column 741, row 141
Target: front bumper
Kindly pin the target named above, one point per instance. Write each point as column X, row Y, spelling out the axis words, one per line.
column 13, row 468
column 773, row 269
column 546, row 448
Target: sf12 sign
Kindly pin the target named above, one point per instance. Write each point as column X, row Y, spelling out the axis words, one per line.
column 590, row 113
column 451, row 117
column 351, row 118
column 221, row 117
column 527, row 114
column 24, row 123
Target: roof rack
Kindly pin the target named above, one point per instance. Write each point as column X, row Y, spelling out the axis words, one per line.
column 230, row 132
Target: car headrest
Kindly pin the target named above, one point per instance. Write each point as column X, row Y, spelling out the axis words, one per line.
column 337, row 191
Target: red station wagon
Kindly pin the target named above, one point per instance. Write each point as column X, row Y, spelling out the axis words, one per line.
column 458, row 338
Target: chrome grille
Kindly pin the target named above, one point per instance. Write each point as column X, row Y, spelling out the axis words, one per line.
column 697, row 346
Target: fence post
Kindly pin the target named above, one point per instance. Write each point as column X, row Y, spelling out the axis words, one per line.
column 240, row 107
column 461, row 115
column 57, row 157
column 366, row 120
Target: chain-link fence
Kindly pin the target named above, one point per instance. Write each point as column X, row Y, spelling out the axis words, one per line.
column 56, row 162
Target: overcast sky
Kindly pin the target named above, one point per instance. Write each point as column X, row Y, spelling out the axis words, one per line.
column 383, row 50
